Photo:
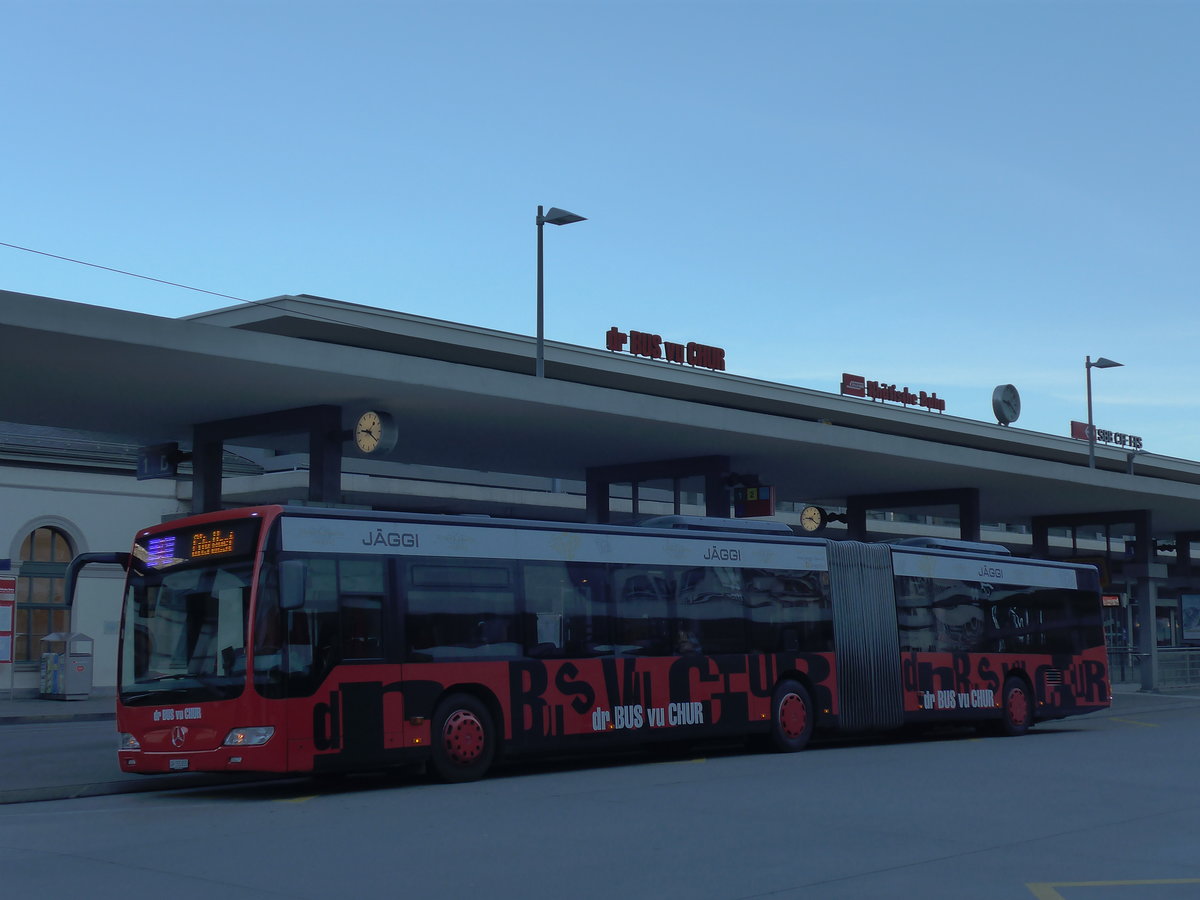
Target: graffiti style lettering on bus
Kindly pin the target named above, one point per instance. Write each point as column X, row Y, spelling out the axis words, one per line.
column 964, row 681
column 390, row 539
column 327, row 724
column 627, row 693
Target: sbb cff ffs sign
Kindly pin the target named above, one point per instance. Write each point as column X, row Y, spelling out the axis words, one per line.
column 1079, row 431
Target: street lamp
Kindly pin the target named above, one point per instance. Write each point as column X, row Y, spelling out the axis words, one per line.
column 555, row 216
column 1100, row 363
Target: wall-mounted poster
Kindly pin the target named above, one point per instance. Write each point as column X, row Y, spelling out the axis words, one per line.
column 8, row 599
column 1191, row 617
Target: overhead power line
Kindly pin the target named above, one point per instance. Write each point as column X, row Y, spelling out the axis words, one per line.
column 186, row 287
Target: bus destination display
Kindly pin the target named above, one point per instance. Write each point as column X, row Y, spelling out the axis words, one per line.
column 175, row 548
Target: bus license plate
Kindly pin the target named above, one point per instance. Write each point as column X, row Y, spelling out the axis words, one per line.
column 177, row 764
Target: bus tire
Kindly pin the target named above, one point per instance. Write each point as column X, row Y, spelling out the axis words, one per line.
column 464, row 739
column 1016, row 708
column 792, row 717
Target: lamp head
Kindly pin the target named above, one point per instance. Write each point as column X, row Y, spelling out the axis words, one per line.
column 556, row 216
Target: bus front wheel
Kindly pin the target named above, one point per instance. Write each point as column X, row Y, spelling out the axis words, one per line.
column 464, row 739
column 792, row 717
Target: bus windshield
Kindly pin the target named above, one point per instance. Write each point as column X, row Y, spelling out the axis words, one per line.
column 184, row 623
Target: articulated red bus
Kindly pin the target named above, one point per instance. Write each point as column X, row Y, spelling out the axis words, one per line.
column 280, row 639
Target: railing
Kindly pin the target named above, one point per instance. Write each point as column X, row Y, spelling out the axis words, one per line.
column 1178, row 667
column 1124, row 665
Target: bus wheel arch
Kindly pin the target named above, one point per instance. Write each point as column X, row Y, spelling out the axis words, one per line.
column 793, row 715
column 465, row 736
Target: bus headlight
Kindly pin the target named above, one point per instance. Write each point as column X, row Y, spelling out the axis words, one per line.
column 249, row 737
column 127, row 741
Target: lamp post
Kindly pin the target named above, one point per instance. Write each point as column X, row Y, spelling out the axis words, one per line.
column 1100, row 363
column 555, row 216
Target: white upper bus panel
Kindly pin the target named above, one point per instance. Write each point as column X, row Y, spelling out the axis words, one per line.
column 712, row 523
column 313, row 535
column 930, row 543
column 993, row 570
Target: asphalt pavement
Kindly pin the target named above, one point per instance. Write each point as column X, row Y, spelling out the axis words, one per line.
column 62, row 749
column 34, row 710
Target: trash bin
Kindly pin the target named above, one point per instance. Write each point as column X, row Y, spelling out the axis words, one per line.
column 66, row 666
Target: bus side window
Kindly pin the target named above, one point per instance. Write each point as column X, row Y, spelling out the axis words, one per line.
column 297, row 643
column 560, row 616
column 460, row 610
column 361, row 590
column 321, row 612
column 643, row 597
column 339, row 617
column 1086, row 621
column 914, row 613
column 789, row 611
column 1057, row 622
column 958, row 615
column 711, row 610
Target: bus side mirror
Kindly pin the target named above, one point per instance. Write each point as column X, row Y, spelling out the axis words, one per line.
column 86, row 559
column 292, row 573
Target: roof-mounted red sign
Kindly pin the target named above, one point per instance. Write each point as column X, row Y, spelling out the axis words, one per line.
column 857, row 386
column 652, row 346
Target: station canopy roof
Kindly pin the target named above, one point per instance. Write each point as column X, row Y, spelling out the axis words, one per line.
column 466, row 398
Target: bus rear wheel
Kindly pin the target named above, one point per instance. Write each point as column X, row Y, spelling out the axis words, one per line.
column 464, row 739
column 1016, row 708
column 792, row 717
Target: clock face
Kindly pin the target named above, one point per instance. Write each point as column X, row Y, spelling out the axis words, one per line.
column 368, row 432
column 1006, row 404
column 812, row 518
column 375, row 432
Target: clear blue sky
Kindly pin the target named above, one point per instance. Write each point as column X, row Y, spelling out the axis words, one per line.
column 943, row 195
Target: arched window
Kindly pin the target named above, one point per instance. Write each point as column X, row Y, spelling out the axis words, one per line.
column 41, row 606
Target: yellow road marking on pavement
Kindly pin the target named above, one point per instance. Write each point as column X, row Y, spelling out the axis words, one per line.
column 1046, row 890
column 1135, row 722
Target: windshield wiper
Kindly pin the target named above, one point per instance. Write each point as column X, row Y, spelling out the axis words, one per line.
column 165, row 692
column 169, row 677
column 157, row 695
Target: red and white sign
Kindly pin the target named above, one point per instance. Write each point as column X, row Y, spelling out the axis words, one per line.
column 652, row 346
column 857, row 386
column 8, row 601
column 1079, row 431
column 853, row 385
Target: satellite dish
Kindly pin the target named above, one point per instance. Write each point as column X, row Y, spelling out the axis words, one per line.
column 1006, row 404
